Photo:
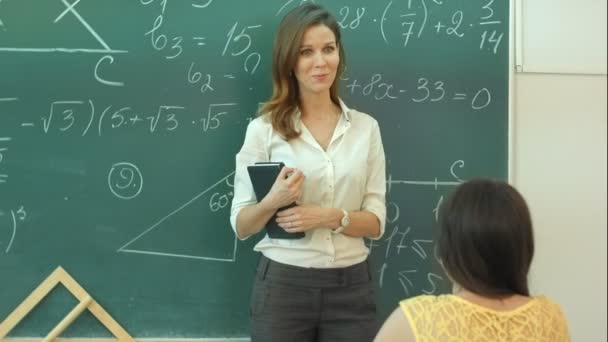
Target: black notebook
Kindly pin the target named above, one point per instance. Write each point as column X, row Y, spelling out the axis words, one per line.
column 262, row 177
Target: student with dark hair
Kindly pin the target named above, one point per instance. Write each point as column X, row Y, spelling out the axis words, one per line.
column 485, row 244
column 317, row 287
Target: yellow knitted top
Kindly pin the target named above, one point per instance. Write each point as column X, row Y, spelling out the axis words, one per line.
column 449, row 318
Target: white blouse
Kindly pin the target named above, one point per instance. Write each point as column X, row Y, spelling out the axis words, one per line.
column 350, row 175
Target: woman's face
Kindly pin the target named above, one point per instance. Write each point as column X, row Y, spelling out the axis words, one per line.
column 318, row 60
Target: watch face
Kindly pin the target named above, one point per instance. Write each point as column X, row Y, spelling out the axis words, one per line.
column 345, row 220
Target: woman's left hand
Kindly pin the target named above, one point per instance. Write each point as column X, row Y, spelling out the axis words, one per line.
column 301, row 218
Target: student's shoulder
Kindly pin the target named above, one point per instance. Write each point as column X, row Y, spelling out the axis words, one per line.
column 552, row 312
column 550, row 306
column 431, row 303
column 422, row 301
column 423, row 308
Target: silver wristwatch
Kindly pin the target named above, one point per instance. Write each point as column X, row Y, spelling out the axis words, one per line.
column 343, row 223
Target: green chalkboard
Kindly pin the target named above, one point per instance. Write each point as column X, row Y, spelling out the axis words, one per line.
column 119, row 122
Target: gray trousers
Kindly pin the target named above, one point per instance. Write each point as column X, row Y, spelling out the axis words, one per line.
column 295, row 304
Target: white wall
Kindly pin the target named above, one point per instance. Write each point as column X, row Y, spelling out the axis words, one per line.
column 562, row 35
column 559, row 165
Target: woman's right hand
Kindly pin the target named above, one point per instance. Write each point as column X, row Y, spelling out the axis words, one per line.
column 286, row 189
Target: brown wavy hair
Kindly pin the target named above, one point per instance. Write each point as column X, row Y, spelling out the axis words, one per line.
column 285, row 90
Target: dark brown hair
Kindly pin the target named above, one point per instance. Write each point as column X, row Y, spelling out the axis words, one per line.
column 285, row 91
column 485, row 241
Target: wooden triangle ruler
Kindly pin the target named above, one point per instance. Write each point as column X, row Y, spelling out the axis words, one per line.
column 85, row 302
